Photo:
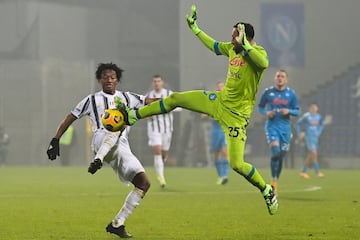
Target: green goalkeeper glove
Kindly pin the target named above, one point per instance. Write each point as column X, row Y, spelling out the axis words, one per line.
column 242, row 38
column 128, row 113
column 191, row 20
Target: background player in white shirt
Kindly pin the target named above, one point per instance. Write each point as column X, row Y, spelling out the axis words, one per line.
column 109, row 147
column 160, row 128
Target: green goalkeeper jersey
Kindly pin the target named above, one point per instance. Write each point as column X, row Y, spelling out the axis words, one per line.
column 245, row 71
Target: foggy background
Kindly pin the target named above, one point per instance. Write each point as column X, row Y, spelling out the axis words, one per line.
column 49, row 51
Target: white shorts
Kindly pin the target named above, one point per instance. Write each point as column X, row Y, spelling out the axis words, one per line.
column 121, row 159
column 163, row 139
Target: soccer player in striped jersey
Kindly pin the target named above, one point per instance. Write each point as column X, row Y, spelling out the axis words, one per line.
column 112, row 148
column 232, row 107
column 160, row 129
column 312, row 123
column 278, row 103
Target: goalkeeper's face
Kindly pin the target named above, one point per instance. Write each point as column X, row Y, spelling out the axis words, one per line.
column 108, row 81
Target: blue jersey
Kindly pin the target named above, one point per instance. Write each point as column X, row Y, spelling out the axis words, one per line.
column 273, row 100
column 311, row 123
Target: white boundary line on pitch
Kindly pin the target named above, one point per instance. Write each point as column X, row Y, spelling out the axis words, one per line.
column 169, row 192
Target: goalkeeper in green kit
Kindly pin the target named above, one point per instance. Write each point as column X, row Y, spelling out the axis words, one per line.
column 231, row 107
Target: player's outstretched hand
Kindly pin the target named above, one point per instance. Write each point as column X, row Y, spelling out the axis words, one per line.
column 53, row 149
column 120, row 105
column 94, row 166
column 242, row 37
column 191, row 20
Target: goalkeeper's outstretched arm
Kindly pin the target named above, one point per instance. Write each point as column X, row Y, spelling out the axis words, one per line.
column 208, row 41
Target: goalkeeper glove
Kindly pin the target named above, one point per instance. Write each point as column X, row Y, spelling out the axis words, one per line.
column 191, row 20
column 241, row 39
column 126, row 111
column 94, row 166
column 53, row 149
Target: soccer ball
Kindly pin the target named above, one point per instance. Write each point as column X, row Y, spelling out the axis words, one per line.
column 113, row 120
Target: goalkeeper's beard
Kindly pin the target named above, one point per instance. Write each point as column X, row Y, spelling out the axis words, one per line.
column 238, row 48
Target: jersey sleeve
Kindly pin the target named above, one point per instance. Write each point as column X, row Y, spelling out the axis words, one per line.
column 219, row 48
column 82, row 108
column 263, row 102
column 294, row 109
column 258, row 57
column 136, row 101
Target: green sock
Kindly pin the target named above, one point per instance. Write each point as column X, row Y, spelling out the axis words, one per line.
column 250, row 173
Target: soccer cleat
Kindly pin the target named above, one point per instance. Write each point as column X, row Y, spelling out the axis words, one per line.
column 304, row 175
column 274, row 184
column 270, row 199
column 128, row 113
column 219, row 181
column 162, row 183
column 320, row 174
column 120, row 231
column 224, row 180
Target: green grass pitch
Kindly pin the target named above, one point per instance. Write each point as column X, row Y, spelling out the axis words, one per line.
column 68, row 203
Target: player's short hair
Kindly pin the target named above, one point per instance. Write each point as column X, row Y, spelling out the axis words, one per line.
column 249, row 29
column 106, row 66
column 284, row 71
column 313, row 103
column 157, row 76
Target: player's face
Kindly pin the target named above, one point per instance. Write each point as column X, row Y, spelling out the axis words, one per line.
column 313, row 108
column 219, row 86
column 280, row 79
column 108, row 81
column 158, row 84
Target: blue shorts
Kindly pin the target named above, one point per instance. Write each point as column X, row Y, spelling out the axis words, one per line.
column 311, row 143
column 276, row 135
column 217, row 141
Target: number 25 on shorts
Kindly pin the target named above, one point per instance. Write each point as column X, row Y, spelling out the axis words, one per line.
column 234, row 132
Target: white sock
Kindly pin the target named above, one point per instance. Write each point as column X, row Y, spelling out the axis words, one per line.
column 131, row 202
column 159, row 166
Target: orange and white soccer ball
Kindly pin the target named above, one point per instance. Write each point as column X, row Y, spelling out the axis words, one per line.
column 113, row 120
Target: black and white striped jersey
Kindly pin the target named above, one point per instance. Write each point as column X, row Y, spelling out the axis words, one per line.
column 95, row 104
column 162, row 123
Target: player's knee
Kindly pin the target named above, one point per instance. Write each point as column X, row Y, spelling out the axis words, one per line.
column 173, row 100
column 145, row 185
column 142, row 182
column 313, row 152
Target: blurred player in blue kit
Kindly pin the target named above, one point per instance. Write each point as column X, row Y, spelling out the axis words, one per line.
column 219, row 147
column 312, row 125
column 278, row 103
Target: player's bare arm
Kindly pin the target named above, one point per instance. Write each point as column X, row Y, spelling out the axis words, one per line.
column 68, row 120
column 54, row 148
